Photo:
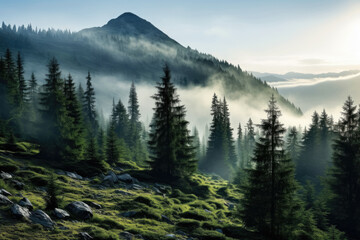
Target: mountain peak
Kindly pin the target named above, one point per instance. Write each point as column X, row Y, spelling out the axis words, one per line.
column 130, row 24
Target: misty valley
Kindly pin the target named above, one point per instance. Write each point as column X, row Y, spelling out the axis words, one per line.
column 120, row 132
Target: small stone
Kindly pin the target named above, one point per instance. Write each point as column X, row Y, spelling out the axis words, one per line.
column 125, row 178
column 126, row 236
column 79, row 210
column 42, row 218
column 93, row 204
column 85, row 236
column 20, row 211
column 219, row 230
column 5, row 193
column 5, row 175
column 179, row 232
column 17, row 184
column 123, row 193
column 26, row 203
column 170, row 235
column 60, row 213
column 4, row 200
column 74, row 175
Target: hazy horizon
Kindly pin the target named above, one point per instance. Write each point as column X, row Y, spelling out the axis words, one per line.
column 300, row 36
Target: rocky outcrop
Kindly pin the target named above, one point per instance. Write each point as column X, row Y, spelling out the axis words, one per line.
column 40, row 217
column 5, row 175
column 26, row 203
column 4, row 200
column 79, row 210
column 85, row 236
column 5, row 193
column 19, row 211
column 60, row 213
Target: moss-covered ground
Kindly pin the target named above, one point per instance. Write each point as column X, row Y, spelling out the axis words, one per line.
column 204, row 213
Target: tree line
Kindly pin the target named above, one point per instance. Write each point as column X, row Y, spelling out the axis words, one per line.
column 282, row 195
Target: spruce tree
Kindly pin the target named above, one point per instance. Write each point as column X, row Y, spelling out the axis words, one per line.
column 54, row 116
column 52, row 192
column 269, row 195
column 89, row 107
column 94, row 163
column 23, row 89
column 196, row 144
column 344, row 176
column 33, row 90
column 122, row 120
column 73, row 108
column 170, row 141
column 112, row 146
column 249, row 143
column 293, row 146
column 229, row 143
column 240, row 147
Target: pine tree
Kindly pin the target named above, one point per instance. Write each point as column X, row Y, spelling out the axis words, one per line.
column 112, row 146
column 89, row 107
column 249, row 143
column 170, row 141
column 52, row 192
column 54, row 116
column 73, row 109
column 94, row 163
column 344, row 176
column 240, row 147
column 229, row 143
column 23, row 89
column 269, row 195
column 293, row 146
column 196, row 144
column 122, row 120
column 33, row 90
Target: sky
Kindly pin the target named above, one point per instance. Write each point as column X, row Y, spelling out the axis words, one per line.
column 277, row 36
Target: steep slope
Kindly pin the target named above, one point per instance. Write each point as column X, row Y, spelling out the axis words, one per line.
column 132, row 49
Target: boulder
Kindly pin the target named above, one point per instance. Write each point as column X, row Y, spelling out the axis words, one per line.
column 166, row 219
column 108, row 180
column 170, row 235
column 79, row 210
column 5, row 193
column 126, row 236
column 136, row 187
column 93, row 204
column 125, row 178
column 5, row 175
column 85, row 236
column 17, row 184
column 40, row 217
column 74, row 175
column 60, row 213
column 113, row 176
column 26, row 203
column 4, row 200
column 179, row 232
column 20, row 211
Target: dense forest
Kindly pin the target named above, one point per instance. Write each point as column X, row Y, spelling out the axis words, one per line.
column 292, row 183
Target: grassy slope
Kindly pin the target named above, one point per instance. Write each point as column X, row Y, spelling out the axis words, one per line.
column 187, row 211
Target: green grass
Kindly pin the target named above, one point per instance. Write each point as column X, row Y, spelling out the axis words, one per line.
column 184, row 205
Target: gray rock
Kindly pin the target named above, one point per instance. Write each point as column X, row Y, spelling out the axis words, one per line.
column 42, row 218
column 126, row 236
column 170, row 235
column 74, row 175
column 4, row 200
column 85, row 236
column 157, row 191
column 26, row 203
column 79, row 210
column 207, row 211
column 92, row 204
column 136, row 187
column 125, row 178
column 166, row 219
column 20, row 211
column 113, row 176
column 60, row 172
column 128, row 214
column 17, row 184
column 5, row 175
column 139, row 236
column 60, row 213
column 219, row 230
column 108, row 180
column 5, row 193
column 123, row 193
column 230, row 205
column 179, row 232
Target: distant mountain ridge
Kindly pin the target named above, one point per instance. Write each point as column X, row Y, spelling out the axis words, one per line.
column 134, row 50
